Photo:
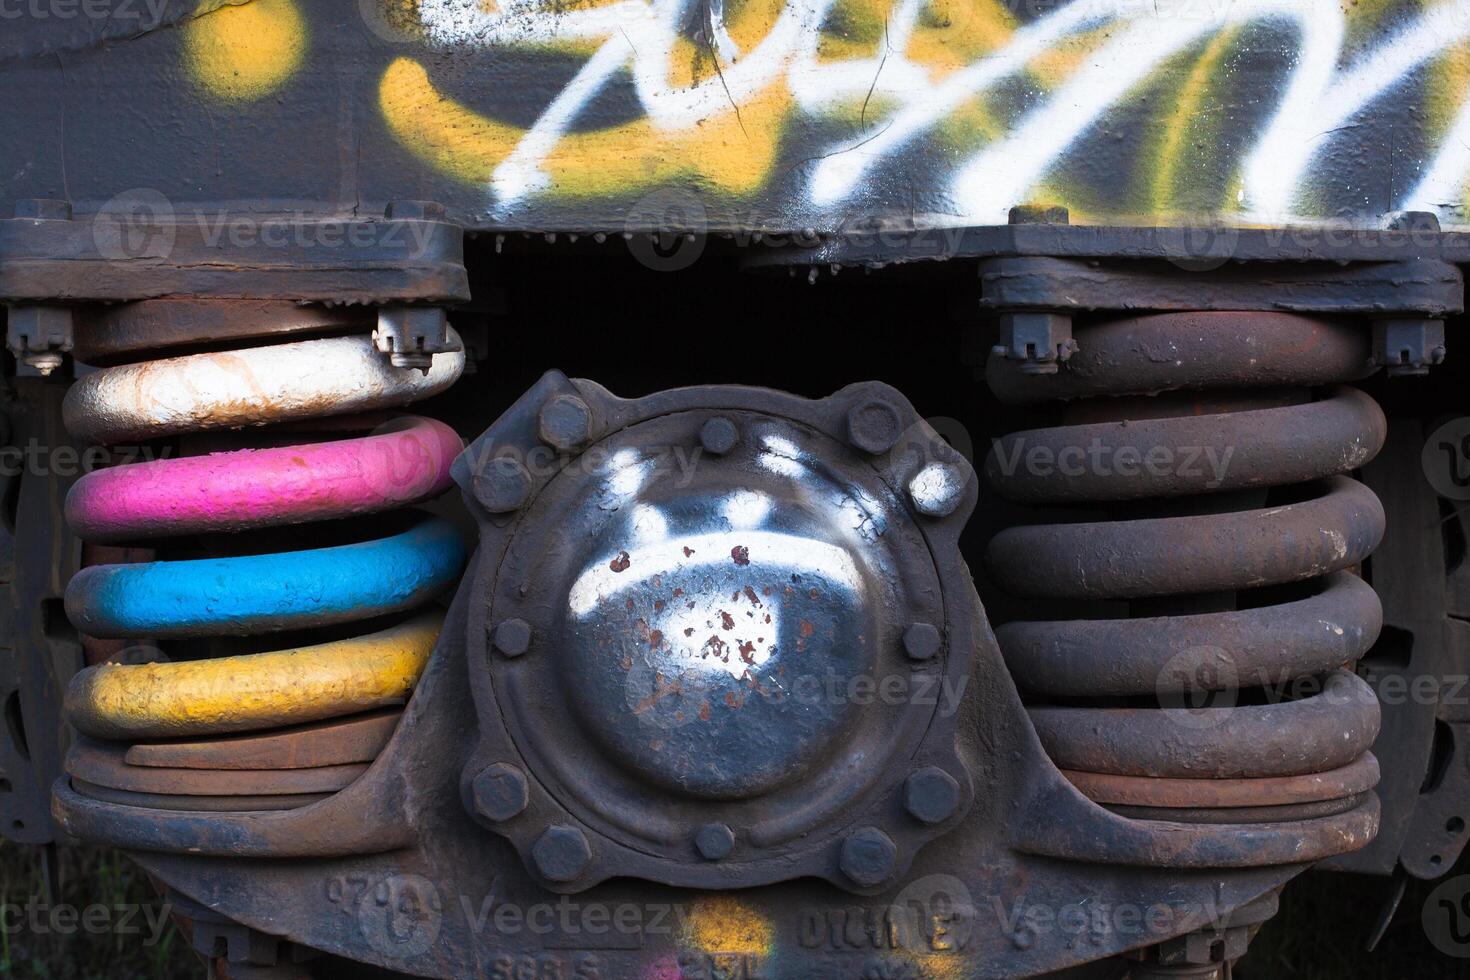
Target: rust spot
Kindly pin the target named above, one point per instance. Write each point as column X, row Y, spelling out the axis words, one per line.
column 658, row 605
column 740, row 555
column 806, row 628
column 750, row 594
column 655, row 638
column 704, row 711
column 688, row 551
column 727, row 620
column 626, row 663
column 747, row 653
column 689, row 631
column 621, row 562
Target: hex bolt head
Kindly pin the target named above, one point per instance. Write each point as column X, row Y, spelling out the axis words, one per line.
column 561, row 853
column 512, row 637
column 503, row 485
column 921, row 641
column 500, row 792
column 718, row 436
column 874, row 426
column 565, row 423
column 868, row 857
column 714, row 841
column 931, row 795
column 937, row 489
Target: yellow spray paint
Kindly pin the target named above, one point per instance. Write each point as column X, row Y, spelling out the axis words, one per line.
column 724, row 924
column 255, row 691
column 243, row 52
column 952, row 34
column 1190, row 126
column 733, row 152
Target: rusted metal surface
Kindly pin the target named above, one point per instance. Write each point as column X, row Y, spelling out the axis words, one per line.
column 656, row 655
column 431, row 818
column 196, row 803
column 117, row 333
column 1358, row 776
column 1319, row 733
column 1219, row 687
column 332, row 743
column 102, row 765
column 1145, row 355
column 1132, row 559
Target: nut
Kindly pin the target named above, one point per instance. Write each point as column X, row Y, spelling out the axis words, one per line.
column 937, row 489
column 565, row 423
column 503, row 485
column 714, row 841
column 868, row 857
column 562, row 853
column 500, row 792
column 512, row 637
column 921, row 641
column 931, row 795
column 874, row 426
column 718, row 436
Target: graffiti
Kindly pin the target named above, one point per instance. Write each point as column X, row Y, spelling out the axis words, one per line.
column 1236, row 107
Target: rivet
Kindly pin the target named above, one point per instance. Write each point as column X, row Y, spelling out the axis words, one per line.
column 500, row 792
column 565, row 423
column 921, row 641
column 718, row 435
column 874, row 426
column 503, row 485
column 714, row 841
column 868, row 857
column 561, row 853
column 931, row 795
column 512, row 637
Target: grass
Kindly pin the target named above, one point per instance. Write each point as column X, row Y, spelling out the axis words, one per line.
column 1320, row 933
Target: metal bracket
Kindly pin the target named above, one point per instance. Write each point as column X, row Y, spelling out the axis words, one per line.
column 40, row 337
column 412, row 335
column 1408, row 346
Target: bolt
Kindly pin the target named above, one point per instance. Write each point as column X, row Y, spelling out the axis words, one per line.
column 565, row 423
column 874, row 426
column 868, row 857
column 714, row 841
column 921, row 641
column 937, row 489
column 513, row 637
column 562, row 853
column 931, row 795
column 500, row 792
column 718, row 435
column 503, row 485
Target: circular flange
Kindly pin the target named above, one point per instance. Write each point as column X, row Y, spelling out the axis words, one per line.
column 720, row 683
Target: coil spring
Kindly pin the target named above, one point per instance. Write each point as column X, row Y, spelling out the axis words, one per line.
column 252, row 593
column 1235, row 568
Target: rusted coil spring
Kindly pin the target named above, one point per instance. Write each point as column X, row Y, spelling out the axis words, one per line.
column 1246, row 601
column 293, row 699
